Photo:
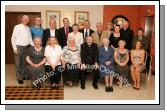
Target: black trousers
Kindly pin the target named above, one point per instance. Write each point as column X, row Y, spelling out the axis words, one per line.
column 84, row 74
column 54, row 76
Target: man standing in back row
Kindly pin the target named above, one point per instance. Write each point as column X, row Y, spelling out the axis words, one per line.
column 50, row 32
column 21, row 38
column 127, row 35
column 64, row 31
column 86, row 31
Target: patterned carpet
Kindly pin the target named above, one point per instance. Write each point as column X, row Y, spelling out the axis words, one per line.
column 26, row 93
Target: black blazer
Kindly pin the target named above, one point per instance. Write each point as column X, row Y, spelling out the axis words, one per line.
column 90, row 32
column 63, row 37
column 89, row 56
column 46, row 35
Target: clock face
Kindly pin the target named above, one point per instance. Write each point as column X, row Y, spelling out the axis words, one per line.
column 119, row 20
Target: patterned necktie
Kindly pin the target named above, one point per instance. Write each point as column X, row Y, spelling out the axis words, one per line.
column 67, row 32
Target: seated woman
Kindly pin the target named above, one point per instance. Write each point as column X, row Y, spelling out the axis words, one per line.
column 53, row 61
column 71, row 62
column 121, row 56
column 106, row 62
column 137, row 58
column 36, row 60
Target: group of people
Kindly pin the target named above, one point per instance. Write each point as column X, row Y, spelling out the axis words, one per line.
column 79, row 52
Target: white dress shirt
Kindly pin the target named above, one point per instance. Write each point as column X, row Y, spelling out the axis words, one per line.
column 52, row 33
column 78, row 38
column 21, row 36
column 88, row 30
column 106, row 48
column 54, row 54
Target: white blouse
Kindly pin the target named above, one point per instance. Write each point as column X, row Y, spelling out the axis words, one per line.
column 54, row 54
column 78, row 38
column 71, row 56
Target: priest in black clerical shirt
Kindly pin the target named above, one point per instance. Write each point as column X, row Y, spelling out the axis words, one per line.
column 127, row 35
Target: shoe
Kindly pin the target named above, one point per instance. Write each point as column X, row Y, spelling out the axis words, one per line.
column 51, row 87
column 107, row 89
column 67, row 83
column 38, row 87
column 120, row 86
column 82, row 86
column 70, row 84
column 20, row 82
column 134, row 87
column 95, row 86
column 33, row 87
column 137, row 88
column 56, row 87
column 111, row 89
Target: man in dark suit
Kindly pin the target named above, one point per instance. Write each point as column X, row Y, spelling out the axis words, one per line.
column 89, row 59
column 63, row 32
column 86, row 31
column 50, row 32
column 127, row 35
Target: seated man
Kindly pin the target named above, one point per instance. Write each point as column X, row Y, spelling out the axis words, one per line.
column 89, row 59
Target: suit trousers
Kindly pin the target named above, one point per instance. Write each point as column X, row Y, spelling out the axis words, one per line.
column 94, row 72
column 20, row 62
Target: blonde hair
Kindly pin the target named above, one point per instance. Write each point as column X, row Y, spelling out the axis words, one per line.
column 121, row 41
column 48, row 41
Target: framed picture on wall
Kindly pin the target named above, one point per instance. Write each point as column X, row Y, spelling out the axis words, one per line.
column 119, row 20
column 55, row 15
column 80, row 17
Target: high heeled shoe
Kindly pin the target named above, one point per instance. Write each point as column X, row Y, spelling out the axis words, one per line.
column 120, row 86
column 137, row 88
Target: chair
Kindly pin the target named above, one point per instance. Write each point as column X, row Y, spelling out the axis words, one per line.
column 147, row 70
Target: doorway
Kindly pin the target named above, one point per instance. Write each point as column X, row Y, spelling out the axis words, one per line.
column 12, row 19
column 150, row 35
column 149, row 28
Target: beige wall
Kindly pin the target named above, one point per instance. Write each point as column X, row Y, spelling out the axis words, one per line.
column 95, row 12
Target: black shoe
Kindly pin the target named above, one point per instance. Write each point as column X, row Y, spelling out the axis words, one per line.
column 20, row 82
column 95, row 86
column 111, row 89
column 51, row 87
column 38, row 87
column 56, row 87
column 82, row 86
column 107, row 89
column 33, row 87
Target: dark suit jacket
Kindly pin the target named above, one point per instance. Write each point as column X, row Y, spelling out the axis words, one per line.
column 63, row 37
column 128, row 37
column 90, row 32
column 89, row 56
column 46, row 35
